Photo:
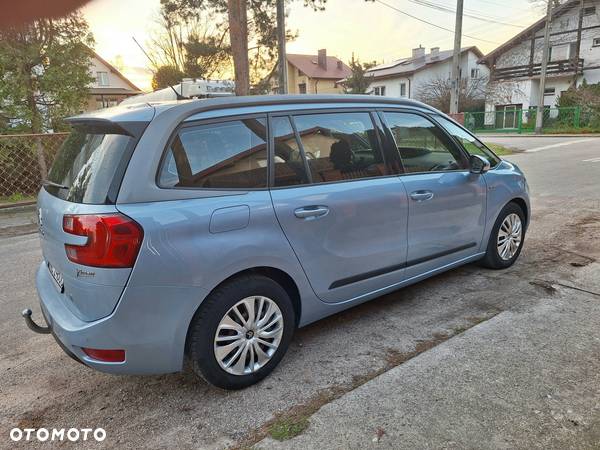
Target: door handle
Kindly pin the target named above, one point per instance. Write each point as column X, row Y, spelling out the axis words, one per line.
column 421, row 196
column 308, row 212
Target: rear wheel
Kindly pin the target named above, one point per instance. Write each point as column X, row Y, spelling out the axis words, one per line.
column 241, row 332
column 506, row 238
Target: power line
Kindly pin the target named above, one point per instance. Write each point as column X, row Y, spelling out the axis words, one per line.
column 489, row 2
column 471, row 15
column 504, row 5
column 431, row 23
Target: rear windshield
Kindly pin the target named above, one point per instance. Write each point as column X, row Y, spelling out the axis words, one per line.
column 87, row 167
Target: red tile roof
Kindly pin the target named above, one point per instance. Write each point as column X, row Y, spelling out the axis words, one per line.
column 308, row 65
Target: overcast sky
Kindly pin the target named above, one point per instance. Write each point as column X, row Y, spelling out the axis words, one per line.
column 372, row 31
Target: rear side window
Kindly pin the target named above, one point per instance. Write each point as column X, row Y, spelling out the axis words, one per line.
column 224, row 155
column 471, row 144
column 289, row 168
column 87, row 167
column 340, row 146
column 422, row 145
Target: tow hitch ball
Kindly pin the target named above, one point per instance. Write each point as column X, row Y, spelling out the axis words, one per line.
column 32, row 325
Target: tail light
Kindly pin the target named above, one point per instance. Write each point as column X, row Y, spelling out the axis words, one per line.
column 113, row 240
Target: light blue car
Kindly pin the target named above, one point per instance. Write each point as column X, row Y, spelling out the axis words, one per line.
column 212, row 229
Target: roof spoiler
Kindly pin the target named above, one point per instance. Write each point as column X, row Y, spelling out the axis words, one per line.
column 95, row 125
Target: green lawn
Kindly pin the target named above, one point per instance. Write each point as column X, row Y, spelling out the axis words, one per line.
column 15, row 198
column 498, row 149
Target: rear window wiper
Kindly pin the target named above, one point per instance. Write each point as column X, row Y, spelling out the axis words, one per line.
column 53, row 184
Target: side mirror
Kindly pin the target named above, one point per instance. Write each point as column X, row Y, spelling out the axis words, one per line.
column 478, row 164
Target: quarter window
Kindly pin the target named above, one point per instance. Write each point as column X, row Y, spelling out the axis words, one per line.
column 340, row 146
column 288, row 163
column 221, row 155
column 471, row 144
column 423, row 147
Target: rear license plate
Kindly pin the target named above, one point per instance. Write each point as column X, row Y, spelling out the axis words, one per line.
column 56, row 277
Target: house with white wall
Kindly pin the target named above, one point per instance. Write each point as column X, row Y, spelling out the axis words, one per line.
column 515, row 66
column 110, row 86
column 407, row 77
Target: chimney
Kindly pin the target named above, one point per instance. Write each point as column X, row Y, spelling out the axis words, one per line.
column 322, row 59
column 418, row 53
column 340, row 66
column 435, row 52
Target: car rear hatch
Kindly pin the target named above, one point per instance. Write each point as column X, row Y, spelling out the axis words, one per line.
column 89, row 248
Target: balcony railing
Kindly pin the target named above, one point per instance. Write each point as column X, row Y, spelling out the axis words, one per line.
column 564, row 66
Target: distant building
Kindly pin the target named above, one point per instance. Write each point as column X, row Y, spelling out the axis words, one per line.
column 110, row 86
column 515, row 66
column 407, row 77
column 314, row 74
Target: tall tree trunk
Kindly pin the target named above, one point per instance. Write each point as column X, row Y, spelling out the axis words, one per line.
column 238, row 35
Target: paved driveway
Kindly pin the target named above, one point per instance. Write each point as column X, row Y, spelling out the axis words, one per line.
column 41, row 387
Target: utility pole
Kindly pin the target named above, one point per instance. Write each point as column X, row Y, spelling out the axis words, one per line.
column 282, row 63
column 539, row 117
column 455, row 92
column 578, row 49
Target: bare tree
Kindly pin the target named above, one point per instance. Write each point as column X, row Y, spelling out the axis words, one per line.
column 436, row 92
column 189, row 41
column 503, row 93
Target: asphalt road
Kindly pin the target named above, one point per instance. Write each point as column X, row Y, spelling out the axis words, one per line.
column 350, row 352
column 557, row 166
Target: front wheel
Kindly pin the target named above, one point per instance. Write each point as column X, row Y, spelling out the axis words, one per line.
column 506, row 239
column 241, row 332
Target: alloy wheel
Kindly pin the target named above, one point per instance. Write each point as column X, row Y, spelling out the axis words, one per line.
column 510, row 235
column 248, row 335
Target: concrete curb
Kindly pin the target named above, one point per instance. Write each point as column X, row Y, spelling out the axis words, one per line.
column 506, row 380
column 17, row 204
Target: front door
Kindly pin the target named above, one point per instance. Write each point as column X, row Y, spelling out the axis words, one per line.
column 446, row 202
column 340, row 206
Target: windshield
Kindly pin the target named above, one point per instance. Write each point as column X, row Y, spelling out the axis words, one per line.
column 87, row 166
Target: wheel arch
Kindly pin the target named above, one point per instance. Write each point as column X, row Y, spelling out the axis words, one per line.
column 521, row 203
column 277, row 275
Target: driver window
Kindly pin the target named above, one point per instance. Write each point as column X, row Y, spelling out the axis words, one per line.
column 423, row 147
column 340, row 146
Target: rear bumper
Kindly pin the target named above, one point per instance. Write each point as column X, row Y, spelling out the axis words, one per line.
column 150, row 323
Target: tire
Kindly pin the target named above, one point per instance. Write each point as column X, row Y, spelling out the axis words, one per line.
column 493, row 258
column 210, row 353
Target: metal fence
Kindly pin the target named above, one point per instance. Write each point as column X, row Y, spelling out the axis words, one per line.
column 22, row 166
column 513, row 120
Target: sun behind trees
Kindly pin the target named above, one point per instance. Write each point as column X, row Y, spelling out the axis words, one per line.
column 218, row 38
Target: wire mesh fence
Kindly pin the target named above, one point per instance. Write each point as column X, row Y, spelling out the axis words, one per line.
column 24, row 161
column 515, row 120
